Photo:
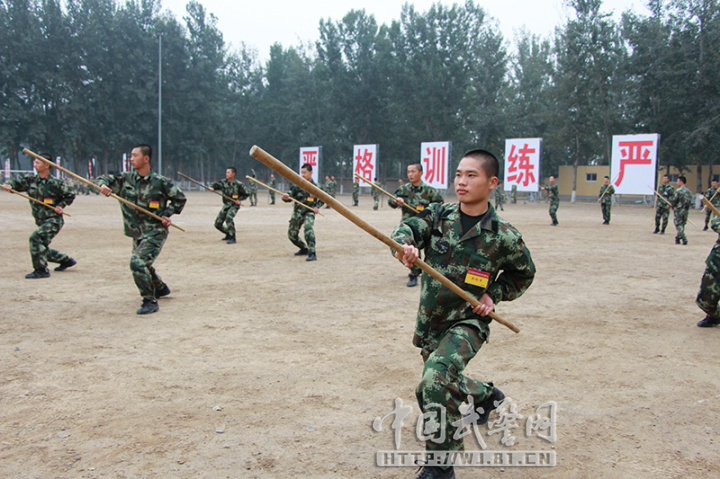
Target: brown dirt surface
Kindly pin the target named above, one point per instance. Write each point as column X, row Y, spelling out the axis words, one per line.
column 261, row 365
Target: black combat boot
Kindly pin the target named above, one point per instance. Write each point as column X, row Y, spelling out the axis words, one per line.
column 302, row 252
column 66, row 264
column 38, row 273
column 148, row 307
column 435, row 472
column 412, row 281
column 708, row 322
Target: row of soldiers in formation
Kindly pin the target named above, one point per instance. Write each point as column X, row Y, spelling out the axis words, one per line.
column 157, row 193
column 467, row 242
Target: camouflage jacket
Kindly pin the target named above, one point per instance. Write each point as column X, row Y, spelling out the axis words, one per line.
column 713, row 259
column 710, row 193
column 273, row 182
column 490, row 258
column 235, row 190
column 667, row 192
column 419, row 197
column 251, row 188
column 49, row 190
column 356, row 187
column 305, row 198
column 683, row 199
column 553, row 193
column 333, row 187
column 152, row 192
column 607, row 199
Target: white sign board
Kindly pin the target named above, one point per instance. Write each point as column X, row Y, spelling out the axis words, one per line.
column 435, row 159
column 365, row 163
column 311, row 155
column 522, row 164
column 634, row 163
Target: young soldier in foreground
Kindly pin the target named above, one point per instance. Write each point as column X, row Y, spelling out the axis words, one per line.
column 418, row 195
column 157, row 194
column 709, row 295
column 231, row 188
column 662, row 208
column 486, row 256
column 53, row 192
column 303, row 216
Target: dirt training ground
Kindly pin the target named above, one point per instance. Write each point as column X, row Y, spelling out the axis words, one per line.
column 260, row 365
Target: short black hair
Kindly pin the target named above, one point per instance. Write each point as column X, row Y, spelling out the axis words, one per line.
column 307, row 166
column 489, row 162
column 146, row 150
column 666, row 176
column 233, row 169
column 416, row 165
column 47, row 156
column 682, row 178
column 606, row 176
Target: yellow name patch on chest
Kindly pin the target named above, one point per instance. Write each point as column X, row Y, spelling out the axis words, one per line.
column 477, row 277
column 420, row 207
column 311, row 199
column 48, row 201
column 234, row 197
column 154, row 205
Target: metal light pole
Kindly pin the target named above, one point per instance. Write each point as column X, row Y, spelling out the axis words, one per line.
column 160, row 170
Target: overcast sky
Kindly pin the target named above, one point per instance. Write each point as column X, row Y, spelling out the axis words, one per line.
column 262, row 23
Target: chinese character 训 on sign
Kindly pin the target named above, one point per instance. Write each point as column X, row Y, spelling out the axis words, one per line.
column 435, row 160
column 522, row 164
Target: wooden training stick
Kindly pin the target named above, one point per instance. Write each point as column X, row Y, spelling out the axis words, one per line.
column 281, row 193
column 36, row 201
column 206, row 187
column 93, row 185
column 276, row 165
column 711, row 206
column 383, row 191
column 670, row 204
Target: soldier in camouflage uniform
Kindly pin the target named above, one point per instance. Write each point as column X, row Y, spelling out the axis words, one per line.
column 712, row 197
column 605, row 199
column 157, row 194
column 418, row 195
column 273, row 184
column 252, row 189
column 681, row 203
column 662, row 208
column 234, row 189
column 376, row 196
column 53, row 192
column 303, row 217
column 484, row 255
column 709, row 295
column 554, row 197
column 356, row 193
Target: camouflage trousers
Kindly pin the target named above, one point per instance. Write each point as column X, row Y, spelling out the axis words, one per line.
column 661, row 216
column 444, row 385
column 253, row 198
column 40, row 250
column 355, row 198
column 708, row 215
column 606, row 211
column 146, row 249
column 376, row 201
column 272, row 197
column 680, row 218
column 553, row 211
column 227, row 216
column 297, row 222
column 709, row 294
